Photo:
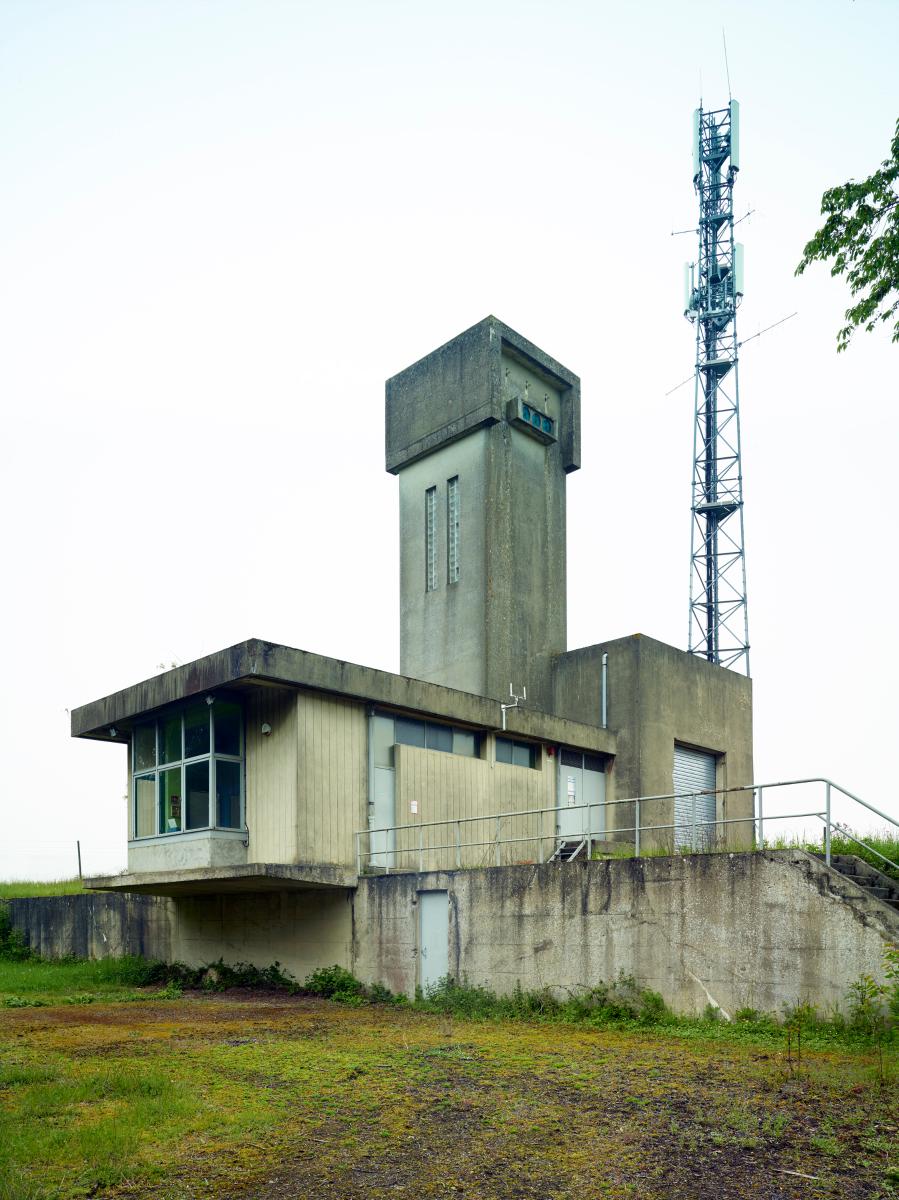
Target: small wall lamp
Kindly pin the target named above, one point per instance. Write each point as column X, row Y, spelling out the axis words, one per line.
column 113, row 732
column 266, row 729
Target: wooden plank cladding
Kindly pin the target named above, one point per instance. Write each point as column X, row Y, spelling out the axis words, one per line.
column 306, row 778
column 431, row 786
column 332, row 777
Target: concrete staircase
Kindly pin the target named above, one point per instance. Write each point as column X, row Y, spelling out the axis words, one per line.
column 863, row 875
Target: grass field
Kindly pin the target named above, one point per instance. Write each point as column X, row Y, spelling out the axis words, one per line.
column 36, row 981
column 29, row 887
column 247, row 1095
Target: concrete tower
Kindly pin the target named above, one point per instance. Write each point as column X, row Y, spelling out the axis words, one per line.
column 482, row 433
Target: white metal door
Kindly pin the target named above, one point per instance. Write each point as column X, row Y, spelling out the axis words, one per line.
column 382, row 814
column 694, row 772
column 571, row 820
column 433, row 938
column 582, row 781
column 595, row 796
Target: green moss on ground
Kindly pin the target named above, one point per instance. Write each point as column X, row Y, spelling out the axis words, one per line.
column 266, row 1094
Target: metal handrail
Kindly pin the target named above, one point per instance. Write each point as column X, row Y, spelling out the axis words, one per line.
column 757, row 817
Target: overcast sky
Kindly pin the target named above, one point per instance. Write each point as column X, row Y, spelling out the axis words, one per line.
column 225, row 224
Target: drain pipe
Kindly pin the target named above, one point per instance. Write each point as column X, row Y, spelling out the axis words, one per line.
column 605, row 691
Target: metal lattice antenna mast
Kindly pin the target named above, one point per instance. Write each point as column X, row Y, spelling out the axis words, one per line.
column 719, row 628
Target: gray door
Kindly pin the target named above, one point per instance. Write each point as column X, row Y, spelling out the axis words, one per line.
column 694, row 772
column 382, row 793
column 433, row 938
column 582, row 781
column 382, row 813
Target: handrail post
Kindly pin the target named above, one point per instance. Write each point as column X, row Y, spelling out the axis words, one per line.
column 496, row 841
column 421, row 849
column 827, row 823
column 761, row 844
column 693, row 829
column 358, row 853
column 458, row 846
column 637, row 830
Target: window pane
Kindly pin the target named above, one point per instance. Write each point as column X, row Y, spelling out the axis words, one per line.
column 382, row 740
column 503, row 750
column 196, row 730
column 592, row 762
column 465, row 743
column 145, row 804
column 430, row 539
column 410, row 733
column 144, row 747
column 170, row 739
column 227, row 791
column 452, row 529
column 170, row 800
column 196, row 787
column 439, row 737
column 522, row 755
column 227, row 717
column 571, row 758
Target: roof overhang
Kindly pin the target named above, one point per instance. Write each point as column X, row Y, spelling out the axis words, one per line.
column 256, row 663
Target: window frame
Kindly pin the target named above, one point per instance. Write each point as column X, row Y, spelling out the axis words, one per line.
column 453, row 531
column 531, row 748
column 210, row 757
column 476, row 735
column 431, row 539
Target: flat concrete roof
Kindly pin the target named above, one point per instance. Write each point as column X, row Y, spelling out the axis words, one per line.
column 255, row 877
column 258, row 663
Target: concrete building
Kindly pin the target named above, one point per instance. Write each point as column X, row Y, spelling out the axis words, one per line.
column 264, row 770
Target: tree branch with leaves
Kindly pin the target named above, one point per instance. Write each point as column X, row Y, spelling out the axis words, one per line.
column 861, row 236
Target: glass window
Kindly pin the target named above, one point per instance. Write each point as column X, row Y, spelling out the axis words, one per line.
column 571, row 758
column 465, row 742
column 170, row 739
column 228, row 718
column 387, row 731
column 145, row 747
column 382, row 740
column 175, row 795
column 431, row 539
column 196, row 789
column 439, row 737
column 227, row 792
column 519, row 754
column 593, row 762
column 409, row 732
column 145, row 802
column 170, row 800
column 522, row 755
column 196, row 730
column 452, row 529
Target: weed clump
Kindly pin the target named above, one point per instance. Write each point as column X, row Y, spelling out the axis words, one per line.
column 13, row 947
column 338, row 984
column 620, row 1002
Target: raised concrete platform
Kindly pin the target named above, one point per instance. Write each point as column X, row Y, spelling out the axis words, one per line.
column 207, row 881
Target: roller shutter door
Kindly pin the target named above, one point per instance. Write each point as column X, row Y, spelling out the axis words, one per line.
column 694, row 771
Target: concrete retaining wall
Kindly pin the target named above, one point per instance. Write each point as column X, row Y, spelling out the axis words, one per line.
column 734, row 930
column 104, row 925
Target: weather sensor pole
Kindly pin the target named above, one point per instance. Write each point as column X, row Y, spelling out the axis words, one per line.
column 719, row 629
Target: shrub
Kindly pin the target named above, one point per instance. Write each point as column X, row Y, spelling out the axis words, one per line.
column 13, row 947
column 335, row 983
